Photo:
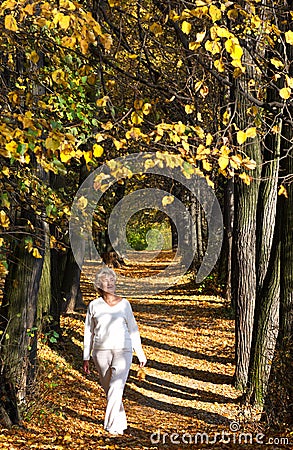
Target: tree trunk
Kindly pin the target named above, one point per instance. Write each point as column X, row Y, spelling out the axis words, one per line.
column 244, row 246
column 266, row 318
column 225, row 265
column 267, row 324
column 57, row 263
column 70, row 289
column 18, row 314
column 174, row 233
column 44, row 295
column 194, row 243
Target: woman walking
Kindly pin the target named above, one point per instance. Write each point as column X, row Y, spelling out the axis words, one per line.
column 110, row 335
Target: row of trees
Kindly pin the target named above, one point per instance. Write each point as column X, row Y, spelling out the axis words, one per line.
column 83, row 83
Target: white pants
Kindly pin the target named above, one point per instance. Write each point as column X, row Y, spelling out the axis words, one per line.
column 113, row 367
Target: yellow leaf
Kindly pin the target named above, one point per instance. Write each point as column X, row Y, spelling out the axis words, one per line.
column 138, row 103
column 66, row 153
column 1, row 242
column 10, row 23
column 199, row 131
column 30, row 9
column 241, row 137
column 136, row 118
column 57, row 16
column 186, row 27
column 251, row 132
column 106, row 126
column 14, row 97
column 34, row 57
column 226, row 117
column 156, row 29
column 223, row 162
column 206, row 165
column 238, row 71
column 189, row 109
column 246, row 178
column 222, row 32
column 180, row 127
column 141, row 374
column 8, row 4
column 146, row 109
column 64, row 22
column 83, row 46
column 277, row 63
column 67, row 4
column 193, row 45
column 213, row 47
column 283, row 191
column 204, row 91
column 113, row 3
column 210, row 182
column 29, row 246
column 4, row 219
column 219, row 65
column 185, row 145
column 202, row 2
column 200, row 36
column 119, row 144
column 276, row 129
column 58, row 76
column 232, row 46
column 248, row 164
column 173, row 15
column 82, row 202
column 198, row 85
column 289, row 37
column 67, row 438
column 87, row 156
column 36, row 253
column 133, row 133
column 285, row 93
column 167, row 200
column 215, row 13
column 209, row 139
column 97, row 150
column 106, row 40
column 255, row 22
column 68, row 41
column 235, row 161
column 6, row 171
column 11, row 146
column 52, row 144
column 102, row 101
column 149, row 163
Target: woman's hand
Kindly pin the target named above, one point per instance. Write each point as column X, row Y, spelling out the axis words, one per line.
column 86, row 367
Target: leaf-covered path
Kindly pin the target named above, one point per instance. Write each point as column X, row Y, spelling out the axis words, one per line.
column 189, row 342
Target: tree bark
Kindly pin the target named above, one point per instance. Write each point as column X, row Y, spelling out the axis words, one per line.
column 70, row 288
column 225, row 265
column 244, row 247
column 18, row 315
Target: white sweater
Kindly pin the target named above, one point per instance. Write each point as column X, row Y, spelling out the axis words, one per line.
column 111, row 327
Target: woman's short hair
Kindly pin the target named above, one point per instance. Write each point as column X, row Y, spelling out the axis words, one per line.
column 104, row 272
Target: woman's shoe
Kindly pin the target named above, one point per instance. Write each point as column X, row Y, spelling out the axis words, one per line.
column 115, row 433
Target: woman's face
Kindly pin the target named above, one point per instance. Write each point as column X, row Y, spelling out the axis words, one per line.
column 108, row 284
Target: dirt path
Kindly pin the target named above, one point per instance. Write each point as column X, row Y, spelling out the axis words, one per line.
column 189, row 342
